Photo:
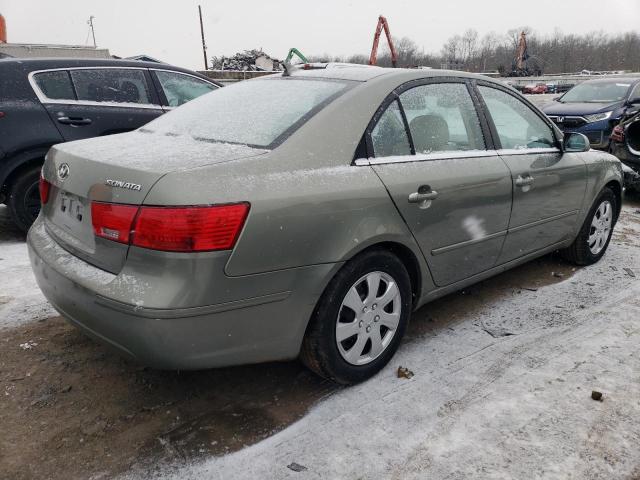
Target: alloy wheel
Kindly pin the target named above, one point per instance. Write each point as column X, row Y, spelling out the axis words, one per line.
column 600, row 227
column 368, row 318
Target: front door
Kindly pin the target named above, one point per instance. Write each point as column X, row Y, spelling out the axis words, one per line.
column 548, row 186
column 453, row 193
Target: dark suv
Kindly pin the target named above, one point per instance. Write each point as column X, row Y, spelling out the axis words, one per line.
column 594, row 107
column 49, row 101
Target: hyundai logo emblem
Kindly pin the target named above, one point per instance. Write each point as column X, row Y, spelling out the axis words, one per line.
column 63, row 171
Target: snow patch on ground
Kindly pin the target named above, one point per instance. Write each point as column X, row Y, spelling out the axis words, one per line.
column 516, row 406
column 20, row 298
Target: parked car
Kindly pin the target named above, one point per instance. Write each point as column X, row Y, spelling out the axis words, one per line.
column 625, row 144
column 48, row 101
column 535, row 88
column 309, row 214
column 554, row 87
column 594, row 107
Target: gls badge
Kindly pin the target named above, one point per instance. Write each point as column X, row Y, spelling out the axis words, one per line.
column 123, row 184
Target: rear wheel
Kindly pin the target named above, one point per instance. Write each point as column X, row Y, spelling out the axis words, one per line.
column 360, row 319
column 24, row 198
column 594, row 236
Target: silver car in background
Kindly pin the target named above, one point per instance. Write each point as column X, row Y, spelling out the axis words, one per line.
column 307, row 215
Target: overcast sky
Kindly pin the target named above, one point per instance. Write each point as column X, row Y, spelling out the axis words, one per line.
column 169, row 30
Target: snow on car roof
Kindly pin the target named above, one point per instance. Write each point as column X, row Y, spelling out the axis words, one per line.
column 363, row 73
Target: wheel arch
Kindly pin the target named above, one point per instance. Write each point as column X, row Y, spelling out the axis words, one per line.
column 615, row 186
column 18, row 164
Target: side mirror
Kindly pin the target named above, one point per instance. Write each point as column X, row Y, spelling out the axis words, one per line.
column 634, row 101
column 576, row 142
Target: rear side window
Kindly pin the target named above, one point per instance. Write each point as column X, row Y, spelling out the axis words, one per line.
column 255, row 112
column 389, row 137
column 55, row 85
column 179, row 88
column 518, row 126
column 111, row 85
column 442, row 118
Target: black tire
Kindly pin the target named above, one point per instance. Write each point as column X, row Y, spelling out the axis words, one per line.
column 320, row 351
column 579, row 251
column 24, row 198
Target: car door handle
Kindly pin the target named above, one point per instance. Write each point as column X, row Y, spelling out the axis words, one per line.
column 423, row 196
column 524, row 181
column 74, row 121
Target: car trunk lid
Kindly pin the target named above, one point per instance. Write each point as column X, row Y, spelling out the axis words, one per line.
column 119, row 169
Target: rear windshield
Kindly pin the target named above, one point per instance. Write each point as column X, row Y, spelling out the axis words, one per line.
column 258, row 113
column 597, row 92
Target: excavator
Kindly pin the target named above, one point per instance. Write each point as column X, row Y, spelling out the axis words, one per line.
column 525, row 65
column 373, row 59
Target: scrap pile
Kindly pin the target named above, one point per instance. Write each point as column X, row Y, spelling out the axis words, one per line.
column 249, row 60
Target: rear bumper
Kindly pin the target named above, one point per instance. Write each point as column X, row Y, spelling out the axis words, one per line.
column 263, row 327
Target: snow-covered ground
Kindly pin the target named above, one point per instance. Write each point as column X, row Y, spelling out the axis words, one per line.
column 20, row 298
column 515, row 406
column 502, row 385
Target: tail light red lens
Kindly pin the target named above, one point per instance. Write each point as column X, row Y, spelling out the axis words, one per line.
column 173, row 229
column 113, row 221
column 44, row 188
column 190, row 229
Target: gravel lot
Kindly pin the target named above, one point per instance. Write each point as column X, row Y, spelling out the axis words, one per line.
column 502, row 389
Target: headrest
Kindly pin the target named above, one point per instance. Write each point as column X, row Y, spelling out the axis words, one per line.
column 430, row 133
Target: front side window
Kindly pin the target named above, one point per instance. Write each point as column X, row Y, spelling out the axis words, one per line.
column 517, row 125
column 255, row 112
column 389, row 137
column 442, row 118
column 55, row 85
column 179, row 88
column 111, row 85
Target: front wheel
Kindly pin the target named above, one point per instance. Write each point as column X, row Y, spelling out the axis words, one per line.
column 360, row 319
column 594, row 236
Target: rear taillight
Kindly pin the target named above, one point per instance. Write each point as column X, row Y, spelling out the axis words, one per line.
column 190, row 229
column 618, row 134
column 44, row 188
column 174, row 229
column 113, row 221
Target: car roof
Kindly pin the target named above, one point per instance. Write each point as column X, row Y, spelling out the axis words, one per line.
column 33, row 64
column 363, row 73
column 631, row 80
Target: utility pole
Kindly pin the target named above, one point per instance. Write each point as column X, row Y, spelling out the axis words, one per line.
column 93, row 33
column 204, row 45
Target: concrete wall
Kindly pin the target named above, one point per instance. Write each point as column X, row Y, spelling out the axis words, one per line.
column 232, row 76
column 25, row 50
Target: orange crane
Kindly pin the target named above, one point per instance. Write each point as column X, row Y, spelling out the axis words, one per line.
column 3, row 30
column 373, row 59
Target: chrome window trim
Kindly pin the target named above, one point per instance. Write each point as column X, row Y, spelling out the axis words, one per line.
column 527, row 151
column 50, row 101
column 423, row 157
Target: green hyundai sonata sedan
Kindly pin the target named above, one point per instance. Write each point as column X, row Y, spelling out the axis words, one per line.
column 308, row 214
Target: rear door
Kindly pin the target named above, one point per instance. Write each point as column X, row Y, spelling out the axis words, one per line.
column 548, row 186
column 177, row 88
column 97, row 101
column 453, row 192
